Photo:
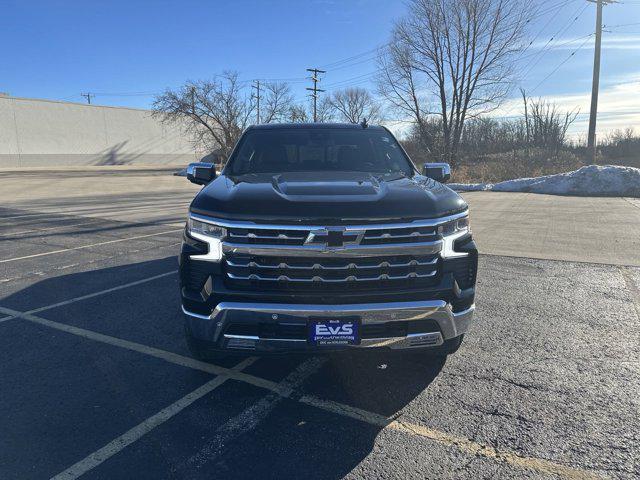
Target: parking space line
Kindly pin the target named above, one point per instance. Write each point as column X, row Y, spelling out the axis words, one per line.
column 93, row 222
column 253, row 415
column 90, row 211
column 34, row 214
column 134, row 434
column 151, row 351
column 371, row 418
column 461, row 443
column 532, row 463
column 17, row 234
column 88, row 246
column 101, row 259
column 101, row 292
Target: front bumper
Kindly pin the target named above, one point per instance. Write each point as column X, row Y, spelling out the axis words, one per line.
column 438, row 320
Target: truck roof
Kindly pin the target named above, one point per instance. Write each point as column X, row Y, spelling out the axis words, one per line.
column 288, row 126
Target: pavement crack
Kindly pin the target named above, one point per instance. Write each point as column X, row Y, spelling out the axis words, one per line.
column 495, row 376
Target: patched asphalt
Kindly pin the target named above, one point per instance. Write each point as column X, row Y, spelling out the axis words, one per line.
column 546, row 384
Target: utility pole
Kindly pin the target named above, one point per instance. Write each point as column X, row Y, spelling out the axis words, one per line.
column 315, row 90
column 595, row 86
column 87, row 96
column 256, row 85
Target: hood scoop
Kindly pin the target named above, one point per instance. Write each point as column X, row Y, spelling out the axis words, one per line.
column 328, row 186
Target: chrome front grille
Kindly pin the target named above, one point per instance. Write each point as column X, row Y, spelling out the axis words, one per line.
column 332, row 236
column 379, row 257
column 282, row 272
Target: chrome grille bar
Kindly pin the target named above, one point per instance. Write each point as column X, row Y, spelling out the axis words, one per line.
column 278, row 236
column 387, row 236
column 414, row 248
column 318, row 279
column 318, row 266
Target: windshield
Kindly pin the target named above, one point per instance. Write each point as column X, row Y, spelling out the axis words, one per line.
column 319, row 150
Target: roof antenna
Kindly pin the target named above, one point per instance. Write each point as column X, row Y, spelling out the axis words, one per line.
column 364, row 123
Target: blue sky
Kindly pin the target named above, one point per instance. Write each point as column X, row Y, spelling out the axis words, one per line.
column 127, row 50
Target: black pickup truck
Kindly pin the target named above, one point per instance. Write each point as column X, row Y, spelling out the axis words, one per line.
column 321, row 237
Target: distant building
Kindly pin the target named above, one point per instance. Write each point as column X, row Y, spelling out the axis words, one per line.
column 52, row 133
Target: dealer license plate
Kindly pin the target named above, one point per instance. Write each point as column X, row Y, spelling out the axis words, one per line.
column 332, row 332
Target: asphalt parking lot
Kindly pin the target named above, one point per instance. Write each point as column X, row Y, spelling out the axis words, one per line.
column 96, row 380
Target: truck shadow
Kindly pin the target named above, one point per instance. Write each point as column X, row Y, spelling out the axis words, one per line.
column 293, row 438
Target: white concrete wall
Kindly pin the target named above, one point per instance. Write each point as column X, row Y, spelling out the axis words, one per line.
column 50, row 133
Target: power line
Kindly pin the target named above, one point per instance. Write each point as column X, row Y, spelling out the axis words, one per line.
column 287, row 80
column 561, row 31
column 335, row 64
column 339, row 64
column 558, row 45
column 544, row 27
column 125, row 94
column 364, row 78
column 351, row 79
column 621, row 25
column 561, row 64
column 556, row 68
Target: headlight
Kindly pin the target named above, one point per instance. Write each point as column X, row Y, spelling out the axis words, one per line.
column 211, row 234
column 454, row 226
column 207, row 229
column 452, row 231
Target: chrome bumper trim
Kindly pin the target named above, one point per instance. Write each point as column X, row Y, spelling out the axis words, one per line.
column 210, row 327
column 195, row 315
column 414, row 340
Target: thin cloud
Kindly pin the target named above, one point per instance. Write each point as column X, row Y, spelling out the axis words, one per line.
column 618, row 106
column 620, row 42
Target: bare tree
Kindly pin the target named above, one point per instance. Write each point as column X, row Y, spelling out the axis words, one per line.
column 277, row 101
column 325, row 112
column 404, row 88
column 303, row 113
column 456, row 54
column 355, row 104
column 546, row 125
column 298, row 113
column 214, row 112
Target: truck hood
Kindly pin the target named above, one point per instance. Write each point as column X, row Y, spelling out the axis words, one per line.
column 326, row 197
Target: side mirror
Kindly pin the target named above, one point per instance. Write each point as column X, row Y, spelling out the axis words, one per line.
column 440, row 172
column 201, row 173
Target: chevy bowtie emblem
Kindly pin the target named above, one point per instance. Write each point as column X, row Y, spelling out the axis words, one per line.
column 334, row 237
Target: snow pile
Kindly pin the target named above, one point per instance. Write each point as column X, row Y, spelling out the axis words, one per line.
column 592, row 180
